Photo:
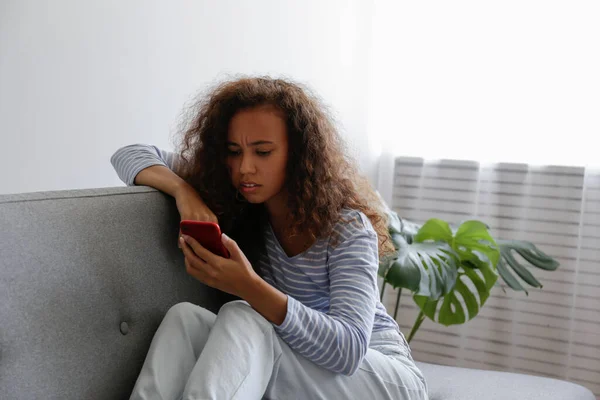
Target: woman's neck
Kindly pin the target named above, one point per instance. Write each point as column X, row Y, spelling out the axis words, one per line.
column 279, row 217
column 278, row 211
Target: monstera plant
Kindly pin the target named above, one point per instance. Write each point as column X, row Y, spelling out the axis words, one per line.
column 451, row 270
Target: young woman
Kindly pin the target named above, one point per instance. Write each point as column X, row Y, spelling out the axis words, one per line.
column 262, row 158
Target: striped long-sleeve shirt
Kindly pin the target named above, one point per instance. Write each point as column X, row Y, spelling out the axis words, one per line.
column 333, row 304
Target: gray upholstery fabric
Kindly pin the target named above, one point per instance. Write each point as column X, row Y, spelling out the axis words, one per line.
column 74, row 266
column 86, row 277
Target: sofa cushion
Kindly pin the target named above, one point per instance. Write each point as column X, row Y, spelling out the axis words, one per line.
column 454, row 383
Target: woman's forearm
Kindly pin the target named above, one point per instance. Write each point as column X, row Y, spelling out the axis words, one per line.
column 161, row 178
column 266, row 300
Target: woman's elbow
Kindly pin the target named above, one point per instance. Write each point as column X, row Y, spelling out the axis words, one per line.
column 353, row 358
column 117, row 155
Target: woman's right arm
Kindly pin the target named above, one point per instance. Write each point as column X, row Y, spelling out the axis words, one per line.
column 142, row 164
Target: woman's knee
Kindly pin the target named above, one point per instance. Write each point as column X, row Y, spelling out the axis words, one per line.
column 236, row 307
column 240, row 309
column 186, row 311
column 180, row 310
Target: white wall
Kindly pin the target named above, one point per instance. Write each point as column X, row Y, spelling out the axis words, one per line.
column 491, row 81
column 80, row 78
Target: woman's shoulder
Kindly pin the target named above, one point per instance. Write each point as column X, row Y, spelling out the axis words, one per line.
column 352, row 223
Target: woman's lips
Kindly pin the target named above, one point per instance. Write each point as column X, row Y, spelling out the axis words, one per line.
column 249, row 188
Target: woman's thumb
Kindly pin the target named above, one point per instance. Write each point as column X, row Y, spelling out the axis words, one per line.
column 231, row 246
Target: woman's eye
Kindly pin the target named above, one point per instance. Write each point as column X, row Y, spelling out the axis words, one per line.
column 263, row 153
column 233, row 152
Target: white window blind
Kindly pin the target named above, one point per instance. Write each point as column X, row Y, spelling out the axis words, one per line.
column 555, row 331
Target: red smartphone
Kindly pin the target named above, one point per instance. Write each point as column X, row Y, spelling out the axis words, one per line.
column 208, row 234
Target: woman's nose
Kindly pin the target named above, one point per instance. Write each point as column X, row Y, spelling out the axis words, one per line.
column 247, row 165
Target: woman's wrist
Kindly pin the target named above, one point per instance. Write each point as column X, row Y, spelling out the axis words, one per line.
column 180, row 187
column 266, row 300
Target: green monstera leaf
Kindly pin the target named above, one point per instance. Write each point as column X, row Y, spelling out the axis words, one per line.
column 478, row 255
column 475, row 244
column 531, row 254
column 463, row 303
column 471, row 240
column 429, row 269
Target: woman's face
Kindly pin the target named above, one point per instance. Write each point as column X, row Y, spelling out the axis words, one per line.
column 257, row 147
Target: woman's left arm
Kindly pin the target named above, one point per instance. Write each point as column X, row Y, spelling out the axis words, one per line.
column 338, row 340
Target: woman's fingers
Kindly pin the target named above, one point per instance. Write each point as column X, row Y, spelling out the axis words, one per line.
column 195, row 261
column 197, row 267
column 195, row 272
column 205, row 254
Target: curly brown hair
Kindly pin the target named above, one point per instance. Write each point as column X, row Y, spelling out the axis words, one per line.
column 320, row 178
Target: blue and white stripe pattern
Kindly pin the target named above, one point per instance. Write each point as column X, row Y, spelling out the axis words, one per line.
column 128, row 161
column 333, row 301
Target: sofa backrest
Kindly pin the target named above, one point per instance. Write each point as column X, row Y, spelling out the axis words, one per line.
column 85, row 279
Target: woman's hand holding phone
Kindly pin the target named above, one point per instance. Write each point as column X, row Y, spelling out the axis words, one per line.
column 233, row 275
column 192, row 207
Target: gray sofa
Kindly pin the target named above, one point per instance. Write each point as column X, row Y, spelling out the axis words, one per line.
column 85, row 278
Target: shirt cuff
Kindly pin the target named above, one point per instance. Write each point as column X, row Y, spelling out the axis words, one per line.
column 139, row 168
column 290, row 316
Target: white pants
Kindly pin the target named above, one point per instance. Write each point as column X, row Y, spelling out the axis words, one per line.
column 237, row 354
